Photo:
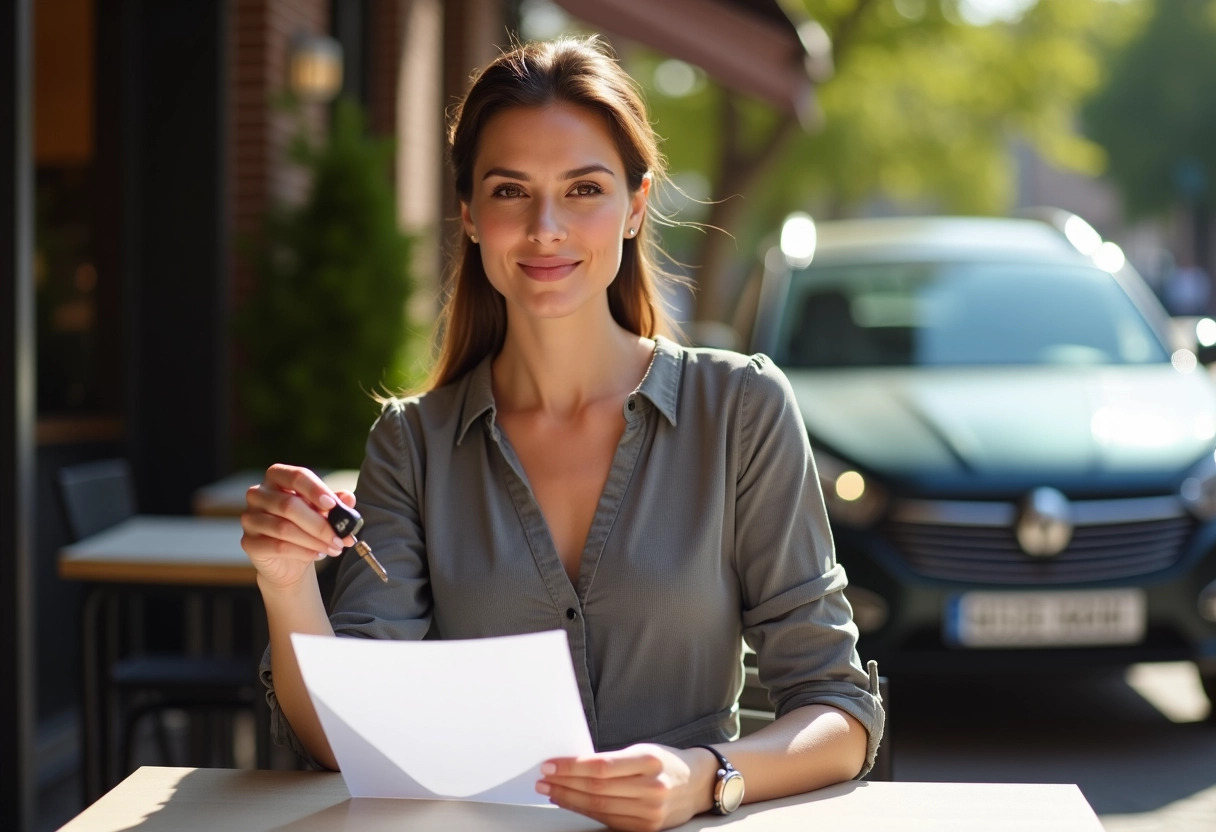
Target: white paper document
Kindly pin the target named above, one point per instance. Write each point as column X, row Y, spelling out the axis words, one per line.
column 455, row 720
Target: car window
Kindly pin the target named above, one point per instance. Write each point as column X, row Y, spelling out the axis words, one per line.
column 960, row 314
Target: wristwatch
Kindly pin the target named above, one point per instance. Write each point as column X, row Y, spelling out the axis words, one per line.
column 728, row 788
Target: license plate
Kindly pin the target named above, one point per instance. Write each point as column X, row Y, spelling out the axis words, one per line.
column 1031, row 619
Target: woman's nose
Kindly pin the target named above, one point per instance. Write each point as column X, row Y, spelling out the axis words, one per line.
column 545, row 225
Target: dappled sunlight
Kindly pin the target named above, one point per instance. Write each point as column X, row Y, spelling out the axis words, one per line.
column 1184, row 361
column 1136, row 426
column 1109, row 257
column 1173, row 688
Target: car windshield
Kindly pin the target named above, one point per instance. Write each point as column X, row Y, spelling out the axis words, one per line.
column 961, row 314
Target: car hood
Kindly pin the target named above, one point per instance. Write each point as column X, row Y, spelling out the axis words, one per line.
column 990, row 422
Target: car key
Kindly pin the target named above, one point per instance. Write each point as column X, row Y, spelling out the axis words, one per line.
column 346, row 522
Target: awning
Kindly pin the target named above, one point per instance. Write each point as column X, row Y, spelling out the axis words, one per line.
column 749, row 46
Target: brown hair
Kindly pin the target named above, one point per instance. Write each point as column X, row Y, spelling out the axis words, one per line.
column 583, row 72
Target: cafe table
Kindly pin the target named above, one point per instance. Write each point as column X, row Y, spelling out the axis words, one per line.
column 157, row 799
column 146, row 554
column 226, row 497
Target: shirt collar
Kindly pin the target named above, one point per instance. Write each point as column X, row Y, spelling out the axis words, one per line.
column 478, row 397
column 660, row 385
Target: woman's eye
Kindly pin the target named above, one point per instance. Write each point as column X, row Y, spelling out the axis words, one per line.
column 508, row 191
column 586, row 189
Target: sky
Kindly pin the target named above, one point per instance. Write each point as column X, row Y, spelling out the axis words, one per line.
column 980, row 12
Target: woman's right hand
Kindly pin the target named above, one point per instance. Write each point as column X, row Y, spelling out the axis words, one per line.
column 285, row 527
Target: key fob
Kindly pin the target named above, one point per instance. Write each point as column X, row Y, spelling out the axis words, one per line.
column 345, row 521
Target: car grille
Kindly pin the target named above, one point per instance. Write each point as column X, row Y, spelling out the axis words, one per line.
column 975, row 542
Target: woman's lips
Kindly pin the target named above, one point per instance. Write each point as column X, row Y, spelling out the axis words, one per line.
column 548, row 269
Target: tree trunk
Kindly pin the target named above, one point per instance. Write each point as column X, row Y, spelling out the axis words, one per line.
column 717, row 283
column 739, row 168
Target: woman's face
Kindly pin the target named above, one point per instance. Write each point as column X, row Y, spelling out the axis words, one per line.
column 550, row 208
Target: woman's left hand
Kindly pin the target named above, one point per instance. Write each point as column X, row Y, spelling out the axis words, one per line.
column 642, row 787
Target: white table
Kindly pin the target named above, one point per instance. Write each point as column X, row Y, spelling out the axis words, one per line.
column 193, row 800
column 174, row 550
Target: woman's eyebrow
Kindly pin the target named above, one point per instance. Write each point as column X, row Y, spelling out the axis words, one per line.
column 506, row 173
column 583, row 171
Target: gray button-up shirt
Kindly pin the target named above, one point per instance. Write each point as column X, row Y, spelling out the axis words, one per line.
column 711, row 531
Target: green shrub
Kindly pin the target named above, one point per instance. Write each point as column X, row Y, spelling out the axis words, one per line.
column 325, row 324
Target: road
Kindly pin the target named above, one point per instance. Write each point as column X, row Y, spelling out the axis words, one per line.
column 1136, row 743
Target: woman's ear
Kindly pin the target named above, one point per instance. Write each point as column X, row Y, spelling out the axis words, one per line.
column 637, row 207
column 466, row 220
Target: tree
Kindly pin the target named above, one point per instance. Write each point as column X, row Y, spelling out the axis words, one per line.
column 921, row 110
column 1156, row 116
column 325, row 325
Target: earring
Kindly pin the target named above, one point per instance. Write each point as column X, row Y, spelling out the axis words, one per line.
column 631, row 232
column 473, row 239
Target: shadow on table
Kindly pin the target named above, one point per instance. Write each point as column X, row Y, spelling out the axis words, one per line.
column 368, row 814
column 216, row 799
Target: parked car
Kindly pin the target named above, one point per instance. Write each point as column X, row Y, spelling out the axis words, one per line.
column 1018, row 466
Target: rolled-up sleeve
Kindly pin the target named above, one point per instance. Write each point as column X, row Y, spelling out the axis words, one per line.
column 363, row 606
column 795, row 615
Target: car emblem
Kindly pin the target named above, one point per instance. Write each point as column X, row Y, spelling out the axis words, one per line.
column 1044, row 526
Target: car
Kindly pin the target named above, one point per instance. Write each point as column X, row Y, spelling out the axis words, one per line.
column 1017, row 463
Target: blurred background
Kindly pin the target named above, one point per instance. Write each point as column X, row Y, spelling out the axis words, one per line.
column 225, row 222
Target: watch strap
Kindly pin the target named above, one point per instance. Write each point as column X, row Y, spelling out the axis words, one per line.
column 725, row 772
column 723, row 763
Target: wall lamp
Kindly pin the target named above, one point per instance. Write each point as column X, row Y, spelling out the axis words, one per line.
column 314, row 68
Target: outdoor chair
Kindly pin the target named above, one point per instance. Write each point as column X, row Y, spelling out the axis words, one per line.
column 137, row 680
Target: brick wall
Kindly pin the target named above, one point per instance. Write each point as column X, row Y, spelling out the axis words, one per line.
column 259, row 41
column 386, row 35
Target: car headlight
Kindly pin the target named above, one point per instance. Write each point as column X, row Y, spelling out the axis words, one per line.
column 852, row 498
column 1199, row 489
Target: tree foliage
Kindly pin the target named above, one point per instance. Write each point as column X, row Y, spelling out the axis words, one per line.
column 325, row 325
column 921, row 111
column 1156, row 116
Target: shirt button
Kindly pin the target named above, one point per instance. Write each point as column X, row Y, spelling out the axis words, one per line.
column 571, row 614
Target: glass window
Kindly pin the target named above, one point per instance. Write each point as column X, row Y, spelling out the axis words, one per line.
column 962, row 314
column 75, row 336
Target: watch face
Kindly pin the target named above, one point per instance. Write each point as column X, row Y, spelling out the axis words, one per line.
column 732, row 792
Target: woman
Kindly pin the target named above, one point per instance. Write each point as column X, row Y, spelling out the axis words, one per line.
column 570, row 467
